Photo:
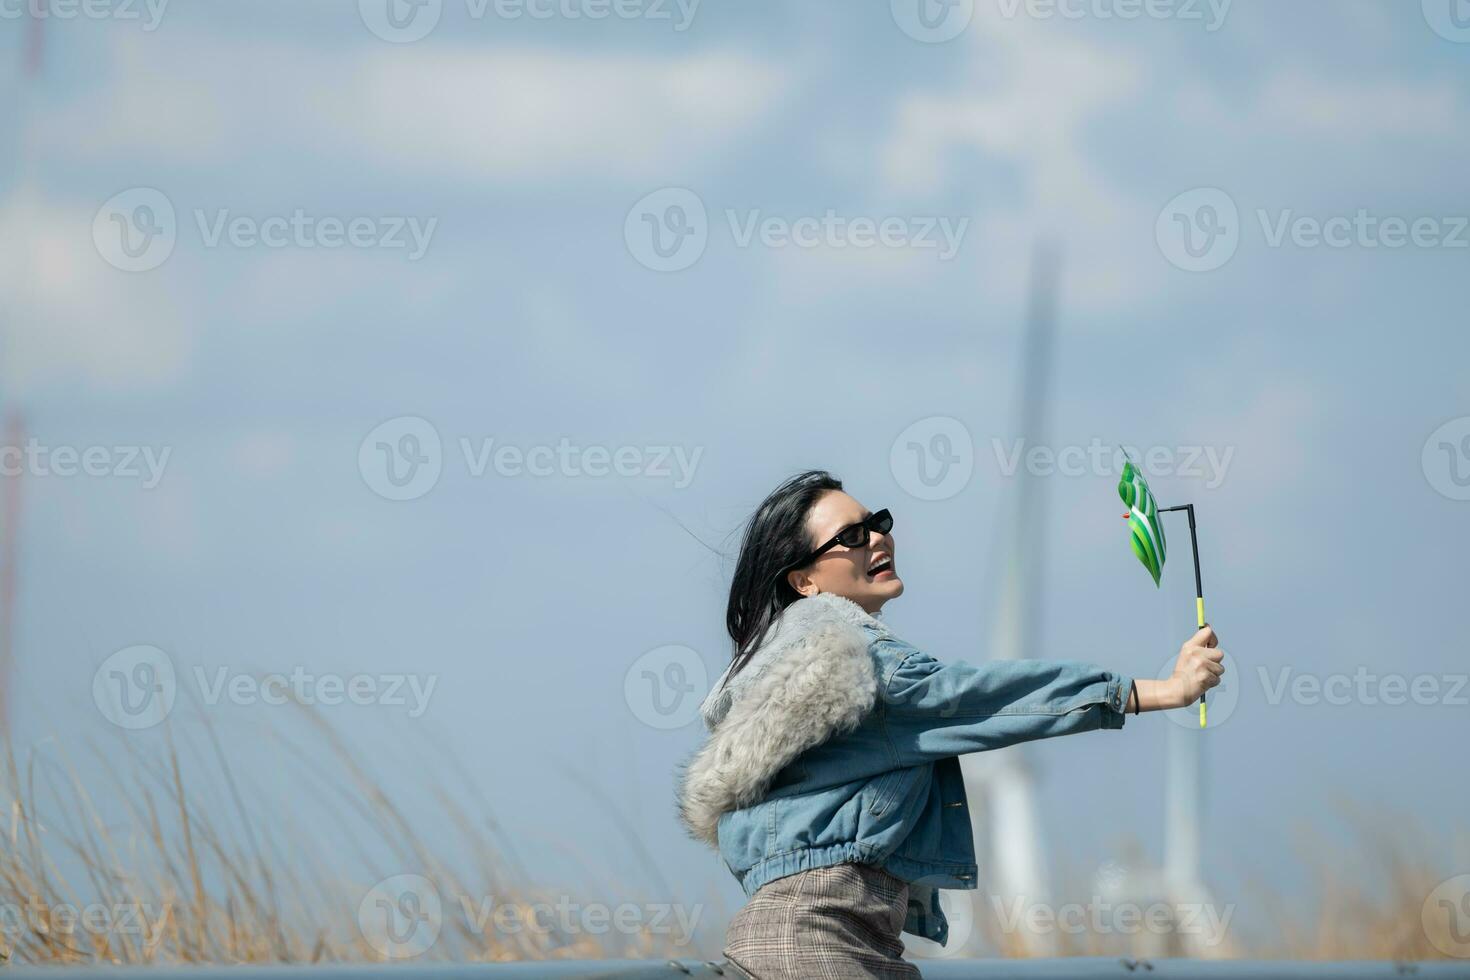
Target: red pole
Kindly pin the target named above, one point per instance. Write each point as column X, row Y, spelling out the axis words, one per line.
column 15, row 431
column 14, row 436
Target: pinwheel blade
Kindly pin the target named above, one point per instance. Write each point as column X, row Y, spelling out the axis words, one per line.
column 1145, row 530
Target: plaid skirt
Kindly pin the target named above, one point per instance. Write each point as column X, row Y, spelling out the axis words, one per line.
column 837, row 923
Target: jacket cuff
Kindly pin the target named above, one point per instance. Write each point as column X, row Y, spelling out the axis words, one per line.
column 1115, row 711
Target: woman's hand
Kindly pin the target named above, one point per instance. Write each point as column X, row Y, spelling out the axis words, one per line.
column 1199, row 668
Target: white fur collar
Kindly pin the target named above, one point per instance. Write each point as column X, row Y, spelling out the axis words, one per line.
column 810, row 678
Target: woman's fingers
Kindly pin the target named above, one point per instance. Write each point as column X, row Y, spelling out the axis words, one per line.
column 1214, row 667
column 1201, row 663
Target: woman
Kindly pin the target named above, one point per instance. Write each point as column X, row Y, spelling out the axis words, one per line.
column 830, row 781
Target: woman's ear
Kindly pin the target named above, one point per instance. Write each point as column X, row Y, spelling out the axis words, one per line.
column 802, row 582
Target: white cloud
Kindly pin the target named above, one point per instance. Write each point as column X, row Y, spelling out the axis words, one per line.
column 1034, row 110
column 1362, row 110
column 528, row 115
column 1029, row 105
column 261, row 454
column 476, row 113
column 71, row 318
column 1298, row 108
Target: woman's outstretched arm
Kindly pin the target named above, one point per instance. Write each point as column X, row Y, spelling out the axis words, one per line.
column 934, row 709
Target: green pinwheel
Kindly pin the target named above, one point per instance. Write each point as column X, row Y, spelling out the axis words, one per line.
column 1146, row 532
column 1144, row 526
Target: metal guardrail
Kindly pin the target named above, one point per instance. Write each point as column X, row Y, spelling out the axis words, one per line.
column 1078, row 968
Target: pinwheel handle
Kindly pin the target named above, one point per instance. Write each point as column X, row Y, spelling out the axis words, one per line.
column 1204, row 711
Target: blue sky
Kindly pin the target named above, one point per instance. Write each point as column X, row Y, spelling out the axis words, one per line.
column 1333, row 540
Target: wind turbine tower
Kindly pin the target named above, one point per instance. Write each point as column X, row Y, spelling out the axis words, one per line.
column 1003, row 783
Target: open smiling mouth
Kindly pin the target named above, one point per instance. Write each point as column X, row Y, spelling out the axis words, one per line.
column 883, row 567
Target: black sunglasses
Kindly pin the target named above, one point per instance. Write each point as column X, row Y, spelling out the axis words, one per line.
column 854, row 535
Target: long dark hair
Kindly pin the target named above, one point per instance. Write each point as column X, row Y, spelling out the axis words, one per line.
column 775, row 542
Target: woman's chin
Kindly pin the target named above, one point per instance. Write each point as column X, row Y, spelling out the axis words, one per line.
column 888, row 587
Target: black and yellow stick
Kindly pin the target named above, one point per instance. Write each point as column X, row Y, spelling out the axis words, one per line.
column 1199, row 590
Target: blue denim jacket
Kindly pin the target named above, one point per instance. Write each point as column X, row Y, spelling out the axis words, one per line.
column 838, row 742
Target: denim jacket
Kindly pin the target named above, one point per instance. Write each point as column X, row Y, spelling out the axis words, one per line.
column 838, row 742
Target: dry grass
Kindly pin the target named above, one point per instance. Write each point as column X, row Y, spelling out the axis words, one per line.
column 1369, row 903
column 150, row 866
column 1366, row 902
column 174, row 869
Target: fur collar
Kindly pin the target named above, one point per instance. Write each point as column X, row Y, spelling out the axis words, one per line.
column 810, row 678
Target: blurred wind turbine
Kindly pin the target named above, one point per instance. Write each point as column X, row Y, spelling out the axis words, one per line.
column 1007, row 841
column 1008, row 845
